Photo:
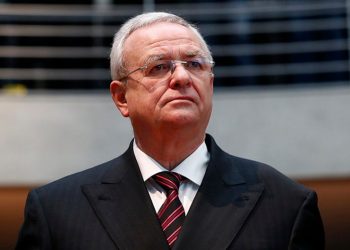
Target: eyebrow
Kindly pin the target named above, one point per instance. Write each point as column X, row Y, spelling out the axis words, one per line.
column 189, row 53
column 193, row 53
column 153, row 58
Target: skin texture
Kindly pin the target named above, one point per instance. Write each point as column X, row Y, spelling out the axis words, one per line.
column 170, row 117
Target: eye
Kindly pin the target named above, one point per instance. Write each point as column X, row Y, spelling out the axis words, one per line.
column 157, row 68
column 195, row 64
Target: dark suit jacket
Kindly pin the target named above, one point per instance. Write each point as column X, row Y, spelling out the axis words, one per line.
column 241, row 205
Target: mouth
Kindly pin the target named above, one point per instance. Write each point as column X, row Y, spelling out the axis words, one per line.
column 180, row 99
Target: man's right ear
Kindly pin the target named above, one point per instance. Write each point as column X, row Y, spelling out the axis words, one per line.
column 118, row 92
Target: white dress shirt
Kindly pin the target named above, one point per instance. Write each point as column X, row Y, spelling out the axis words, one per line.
column 193, row 168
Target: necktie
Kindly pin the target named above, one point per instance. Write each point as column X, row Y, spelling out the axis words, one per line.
column 172, row 214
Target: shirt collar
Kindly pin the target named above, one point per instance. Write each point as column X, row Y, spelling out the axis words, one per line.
column 193, row 167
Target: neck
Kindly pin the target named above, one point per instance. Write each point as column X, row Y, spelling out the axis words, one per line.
column 169, row 149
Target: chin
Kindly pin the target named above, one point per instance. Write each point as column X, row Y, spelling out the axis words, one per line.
column 182, row 119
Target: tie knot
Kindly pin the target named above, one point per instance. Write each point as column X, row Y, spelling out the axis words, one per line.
column 169, row 180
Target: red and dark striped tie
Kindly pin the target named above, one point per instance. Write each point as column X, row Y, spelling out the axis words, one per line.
column 172, row 214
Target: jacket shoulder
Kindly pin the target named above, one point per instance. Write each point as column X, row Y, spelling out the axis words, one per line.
column 73, row 182
column 255, row 171
column 249, row 171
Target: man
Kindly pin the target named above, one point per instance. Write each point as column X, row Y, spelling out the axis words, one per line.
column 173, row 187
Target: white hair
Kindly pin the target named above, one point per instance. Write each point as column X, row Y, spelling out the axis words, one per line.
column 117, row 64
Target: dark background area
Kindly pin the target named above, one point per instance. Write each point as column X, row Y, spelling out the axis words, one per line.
column 65, row 44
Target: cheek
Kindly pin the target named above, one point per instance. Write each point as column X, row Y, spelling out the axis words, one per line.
column 141, row 104
column 205, row 92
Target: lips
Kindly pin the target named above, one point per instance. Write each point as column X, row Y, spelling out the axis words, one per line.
column 180, row 98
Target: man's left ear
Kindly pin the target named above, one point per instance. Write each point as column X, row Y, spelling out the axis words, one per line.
column 118, row 91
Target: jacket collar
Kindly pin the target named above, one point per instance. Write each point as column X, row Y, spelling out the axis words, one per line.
column 228, row 194
column 222, row 204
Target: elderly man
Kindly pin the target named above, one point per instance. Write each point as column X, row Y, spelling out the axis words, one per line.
column 173, row 187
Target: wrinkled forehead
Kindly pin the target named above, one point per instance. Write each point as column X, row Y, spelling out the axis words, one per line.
column 165, row 40
column 178, row 53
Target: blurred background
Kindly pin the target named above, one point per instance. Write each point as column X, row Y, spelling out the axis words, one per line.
column 282, row 93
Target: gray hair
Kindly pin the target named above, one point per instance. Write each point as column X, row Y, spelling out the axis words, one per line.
column 117, row 64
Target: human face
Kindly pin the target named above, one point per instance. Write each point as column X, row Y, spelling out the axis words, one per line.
column 179, row 100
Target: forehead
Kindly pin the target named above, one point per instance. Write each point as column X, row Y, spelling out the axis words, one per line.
column 167, row 39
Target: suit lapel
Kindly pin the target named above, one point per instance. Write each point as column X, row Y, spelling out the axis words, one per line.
column 123, row 206
column 221, row 206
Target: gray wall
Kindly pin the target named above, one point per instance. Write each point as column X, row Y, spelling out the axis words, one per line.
column 302, row 132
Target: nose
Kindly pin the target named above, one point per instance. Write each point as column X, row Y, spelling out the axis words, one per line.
column 180, row 77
